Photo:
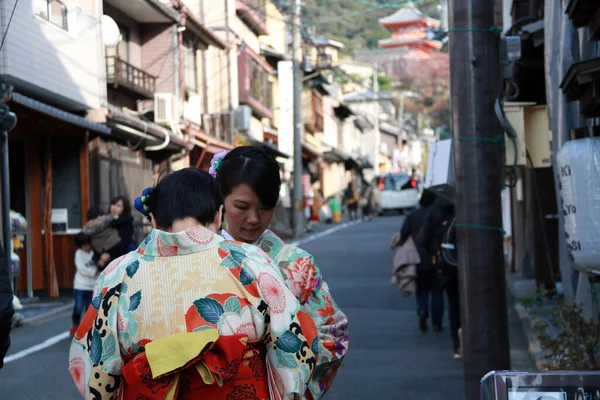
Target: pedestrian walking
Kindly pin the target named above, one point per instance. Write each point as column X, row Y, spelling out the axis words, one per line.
column 189, row 315
column 336, row 210
column 250, row 181
column 6, row 306
column 366, row 204
column 86, row 274
column 351, row 201
column 429, row 291
column 435, row 232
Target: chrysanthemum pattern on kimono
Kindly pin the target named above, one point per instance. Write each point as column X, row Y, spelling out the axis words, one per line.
column 304, row 279
column 188, row 282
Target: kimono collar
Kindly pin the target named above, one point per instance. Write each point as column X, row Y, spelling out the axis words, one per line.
column 227, row 236
column 193, row 240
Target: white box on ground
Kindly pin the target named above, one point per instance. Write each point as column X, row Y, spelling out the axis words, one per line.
column 440, row 169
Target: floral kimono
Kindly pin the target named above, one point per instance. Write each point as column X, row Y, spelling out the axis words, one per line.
column 307, row 284
column 188, row 316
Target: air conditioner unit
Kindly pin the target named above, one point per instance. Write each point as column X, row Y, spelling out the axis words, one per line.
column 243, row 118
column 191, row 109
column 165, row 109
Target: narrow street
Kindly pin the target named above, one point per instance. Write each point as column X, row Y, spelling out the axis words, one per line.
column 389, row 357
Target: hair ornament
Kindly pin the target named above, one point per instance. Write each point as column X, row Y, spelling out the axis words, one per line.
column 141, row 203
column 216, row 161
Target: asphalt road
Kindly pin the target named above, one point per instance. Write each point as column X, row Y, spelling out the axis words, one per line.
column 389, row 358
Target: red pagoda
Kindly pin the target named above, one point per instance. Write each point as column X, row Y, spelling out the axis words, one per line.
column 410, row 29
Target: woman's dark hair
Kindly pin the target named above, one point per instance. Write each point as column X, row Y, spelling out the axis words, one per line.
column 95, row 212
column 254, row 167
column 126, row 205
column 186, row 193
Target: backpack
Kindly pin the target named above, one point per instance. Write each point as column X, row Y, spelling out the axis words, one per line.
column 445, row 258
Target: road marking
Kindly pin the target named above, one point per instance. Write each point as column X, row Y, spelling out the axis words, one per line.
column 325, row 233
column 38, row 347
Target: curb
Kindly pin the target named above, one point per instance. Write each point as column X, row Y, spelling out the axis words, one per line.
column 534, row 344
column 55, row 312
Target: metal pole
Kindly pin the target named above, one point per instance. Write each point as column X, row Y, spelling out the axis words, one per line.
column 7, row 122
column 475, row 83
column 298, row 193
column 6, row 237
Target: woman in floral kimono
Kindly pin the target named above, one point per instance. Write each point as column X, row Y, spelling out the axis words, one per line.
column 250, row 182
column 189, row 315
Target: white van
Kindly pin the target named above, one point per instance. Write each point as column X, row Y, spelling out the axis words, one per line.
column 395, row 192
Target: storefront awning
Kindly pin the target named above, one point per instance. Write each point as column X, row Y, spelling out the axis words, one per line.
column 59, row 114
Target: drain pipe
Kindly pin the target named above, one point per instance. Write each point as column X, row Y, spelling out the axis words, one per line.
column 8, row 120
column 177, row 71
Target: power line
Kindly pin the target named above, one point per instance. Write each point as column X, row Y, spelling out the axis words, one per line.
column 8, row 25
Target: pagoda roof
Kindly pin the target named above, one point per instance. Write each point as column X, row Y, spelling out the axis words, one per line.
column 406, row 16
column 411, row 42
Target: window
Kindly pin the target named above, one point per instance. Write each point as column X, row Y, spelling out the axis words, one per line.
column 53, row 11
column 190, row 66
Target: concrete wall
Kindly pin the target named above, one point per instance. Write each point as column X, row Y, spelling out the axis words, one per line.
column 51, row 63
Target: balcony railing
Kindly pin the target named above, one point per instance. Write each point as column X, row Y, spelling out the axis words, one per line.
column 218, row 126
column 121, row 73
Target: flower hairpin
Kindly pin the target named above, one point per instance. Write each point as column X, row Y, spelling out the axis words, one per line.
column 216, row 161
column 141, row 203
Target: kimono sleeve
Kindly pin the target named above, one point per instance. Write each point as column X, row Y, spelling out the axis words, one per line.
column 291, row 338
column 307, row 283
column 95, row 361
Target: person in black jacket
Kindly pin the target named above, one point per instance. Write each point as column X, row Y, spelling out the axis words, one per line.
column 6, row 306
column 428, row 286
column 120, row 209
column 435, row 228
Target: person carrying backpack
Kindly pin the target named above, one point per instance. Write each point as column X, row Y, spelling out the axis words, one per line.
column 437, row 239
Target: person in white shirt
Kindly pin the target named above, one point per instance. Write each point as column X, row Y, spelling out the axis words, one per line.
column 85, row 278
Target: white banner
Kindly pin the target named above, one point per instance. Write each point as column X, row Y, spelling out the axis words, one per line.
column 286, row 111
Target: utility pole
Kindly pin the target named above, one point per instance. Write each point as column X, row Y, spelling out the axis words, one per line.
column 298, row 204
column 474, row 84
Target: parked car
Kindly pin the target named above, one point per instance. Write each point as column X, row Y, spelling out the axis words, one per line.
column 395, row 192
